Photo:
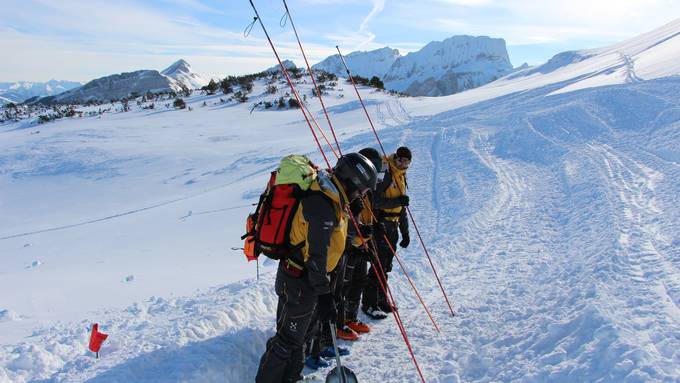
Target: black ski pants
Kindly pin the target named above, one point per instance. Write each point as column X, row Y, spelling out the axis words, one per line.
column 320, row 335
column 374, row 296
column 283, row 359
column 353, row 284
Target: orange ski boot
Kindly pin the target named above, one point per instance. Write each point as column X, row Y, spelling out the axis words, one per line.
column 358, row 326
column 347, row 333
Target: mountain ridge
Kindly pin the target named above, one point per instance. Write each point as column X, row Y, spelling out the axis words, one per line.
column 176, row 77
column 440, row 68
column 20, row 91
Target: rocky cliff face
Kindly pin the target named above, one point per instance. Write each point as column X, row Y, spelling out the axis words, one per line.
column 449, row 66
column 364, row 64
column 438, row 69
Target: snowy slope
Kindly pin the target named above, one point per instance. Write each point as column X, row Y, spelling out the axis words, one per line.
column 646, row 57
column 551, row 217
column 156, row 190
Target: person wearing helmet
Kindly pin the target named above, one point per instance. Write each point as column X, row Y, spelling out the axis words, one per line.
column 317, row 239
column 349, row 278
column 357, row 253
column 389, row 202
column 320, row 339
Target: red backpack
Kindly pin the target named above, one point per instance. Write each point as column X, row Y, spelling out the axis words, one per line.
column 268, row 228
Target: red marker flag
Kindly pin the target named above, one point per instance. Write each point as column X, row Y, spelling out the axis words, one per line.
column 96, row 339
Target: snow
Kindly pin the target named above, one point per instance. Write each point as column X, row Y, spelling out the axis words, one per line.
column 549, row 209
column 646, row 57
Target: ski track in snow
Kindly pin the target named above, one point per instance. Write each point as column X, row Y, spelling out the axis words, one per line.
column 561, row 258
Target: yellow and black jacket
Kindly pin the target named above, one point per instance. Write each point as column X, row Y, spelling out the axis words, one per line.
column 365, row 217
column 386, row 201
column 319, row 230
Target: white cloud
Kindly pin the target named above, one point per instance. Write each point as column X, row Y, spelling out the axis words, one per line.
column 369, row 37
column 74, row 37
column 522, row 22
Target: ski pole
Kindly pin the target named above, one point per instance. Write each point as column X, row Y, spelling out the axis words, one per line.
column 422, row 243
column 323, row 134
column 380, row 274
column 361, row 100
column 403, row 269
column 311, row 74
column 334, row 330
column 290, row 82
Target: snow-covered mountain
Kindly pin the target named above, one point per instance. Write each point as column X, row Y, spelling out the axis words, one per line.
column 547, row 200
column 365, row 64
column 288, row 64
column 450, row 66
column 438, row 69
column 115, row 87
column 19, row 91
column 181, row 72
column 174, row 78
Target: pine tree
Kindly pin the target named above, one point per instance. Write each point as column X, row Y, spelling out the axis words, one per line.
column 376, row 82
column 211, row 88
column 179, row 104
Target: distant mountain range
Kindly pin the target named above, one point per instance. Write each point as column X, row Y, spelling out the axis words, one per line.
column 19, row 91
column 177, row 76
column 440, row 68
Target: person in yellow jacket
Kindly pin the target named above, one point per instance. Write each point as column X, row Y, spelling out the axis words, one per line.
column 389, row 202
column 317, row 240
column 356, row 259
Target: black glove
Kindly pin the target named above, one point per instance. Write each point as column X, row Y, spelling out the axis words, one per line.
column 365, row 230
column 405, row 240
column 403, row 200
column 327, row 310
column 356, row 206
column 363, row 254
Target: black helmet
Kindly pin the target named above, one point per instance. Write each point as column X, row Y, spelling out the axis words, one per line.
column 373, row 156
column 356, row 173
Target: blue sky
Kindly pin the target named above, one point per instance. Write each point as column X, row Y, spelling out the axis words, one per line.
column 85, row 39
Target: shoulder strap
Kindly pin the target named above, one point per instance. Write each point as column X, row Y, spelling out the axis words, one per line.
column 385, row 183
